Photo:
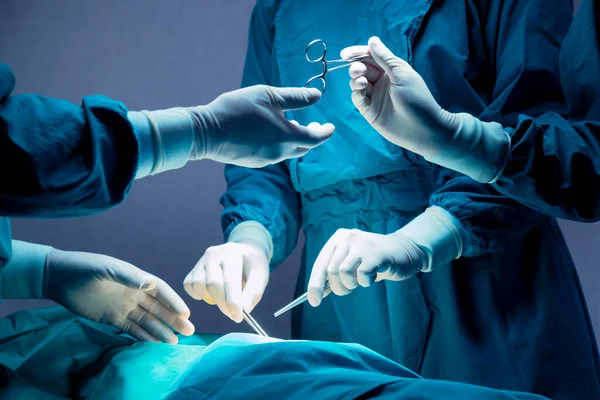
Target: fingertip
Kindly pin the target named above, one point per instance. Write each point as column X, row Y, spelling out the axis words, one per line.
column 249, row 304
column 236, row 313
column 313, row 91
column 295, row 122
column 188, row 328
column 357, row 69
column 359, row 83
column 210, row 300
column 251, row 301
column 190, row 291
column 374, row 41
column 313, row 94
column 315, row 296
column 328, row 129
column 184, row 314
column 364, row 279
column 354, row 51
column 172, row 338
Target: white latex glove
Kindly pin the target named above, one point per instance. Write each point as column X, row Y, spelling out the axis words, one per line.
column 353, row 258
column 233, row 275
column 395, row 100
column 113, row 292
column 244, row 127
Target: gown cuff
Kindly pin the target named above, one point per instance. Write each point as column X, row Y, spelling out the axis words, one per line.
column 255, row 234
column 23, row 276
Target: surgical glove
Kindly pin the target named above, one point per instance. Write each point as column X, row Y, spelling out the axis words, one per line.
column 114, row 292
column 244, row 127
column 395, row 100
column 353, row 258
column 234, row 275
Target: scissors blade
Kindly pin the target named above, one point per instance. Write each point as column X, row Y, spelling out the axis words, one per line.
column 301, row 300
column 253, row 324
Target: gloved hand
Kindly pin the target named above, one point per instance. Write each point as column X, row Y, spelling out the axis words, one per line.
column 234, row 275
column 395, row 100
column 113, row 292
column 353, row 258
column 244, row 127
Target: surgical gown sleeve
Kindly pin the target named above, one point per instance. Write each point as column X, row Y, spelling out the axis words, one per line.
column 554, row 162
column 265, row 195
column 58, row 159
column 522, row 40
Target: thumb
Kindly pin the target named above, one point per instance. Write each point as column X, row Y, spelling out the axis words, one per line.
column 385, row 59
column 312, row 135
column 294, row 98
column 132, row 277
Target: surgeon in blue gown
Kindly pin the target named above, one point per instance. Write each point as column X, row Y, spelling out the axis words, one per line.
column 480, row 288
column 549, row 162
column 63, row 160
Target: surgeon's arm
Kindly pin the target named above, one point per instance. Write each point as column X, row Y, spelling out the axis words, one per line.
column 59, row 159
column 261, row 199
column 523, row 85
column 554, row 163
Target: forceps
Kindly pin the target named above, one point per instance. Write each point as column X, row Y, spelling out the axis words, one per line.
column 326, row 68
column 301, row 300
column 253, row 324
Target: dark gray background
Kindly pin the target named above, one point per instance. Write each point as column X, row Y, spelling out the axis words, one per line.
column 157, row 54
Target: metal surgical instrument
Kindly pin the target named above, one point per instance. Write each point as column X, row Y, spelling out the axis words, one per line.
column 301, row 300
column 325, row 63
column 253, row 324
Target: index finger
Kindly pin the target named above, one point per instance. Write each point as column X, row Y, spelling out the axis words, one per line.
column 232, row 284
column 354, row 51
column 318, row 275
column 363, row 68
column 312, row 135
column 170, row 299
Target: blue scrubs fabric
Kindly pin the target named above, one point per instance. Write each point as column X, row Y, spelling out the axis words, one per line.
column 510, row 314
column 59, row 159
column 239, row 367
column 554, row 164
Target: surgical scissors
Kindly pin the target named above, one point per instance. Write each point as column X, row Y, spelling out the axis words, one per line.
column 326, row 68
column 301, row 300
column 253, row 324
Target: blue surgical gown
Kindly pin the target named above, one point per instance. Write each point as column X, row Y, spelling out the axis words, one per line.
column 510, row 314
column 554, row 164
column 61, row 160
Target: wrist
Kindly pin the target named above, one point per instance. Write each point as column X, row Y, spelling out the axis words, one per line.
column 439, row 234
column 168, row 139
column 477, row 149
column 254, row 234
column 208, row 130
column 419, row 258
column 23, row 276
